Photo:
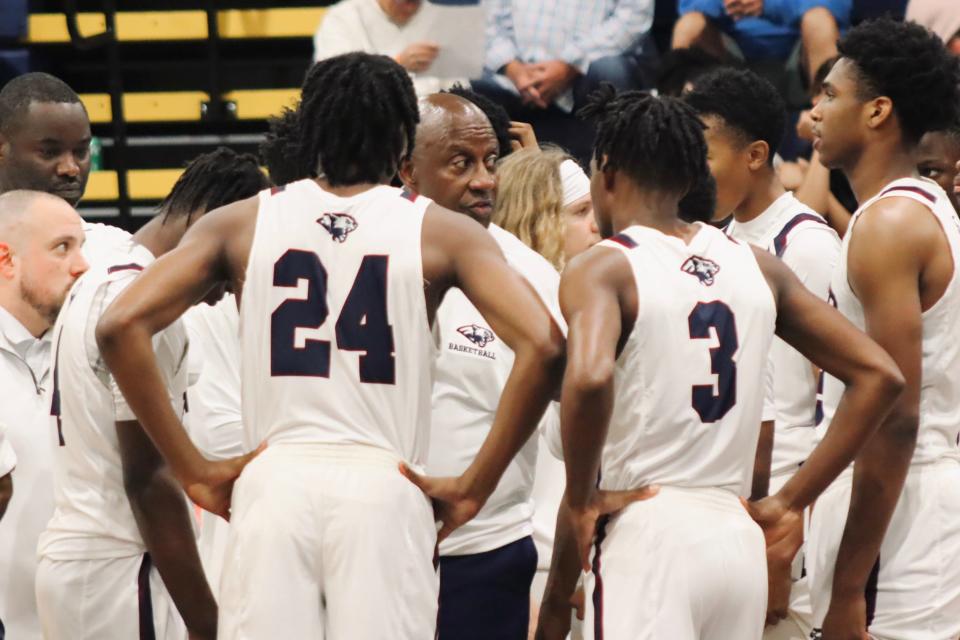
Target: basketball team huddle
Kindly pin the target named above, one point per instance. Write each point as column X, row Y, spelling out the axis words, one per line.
column 756, row 426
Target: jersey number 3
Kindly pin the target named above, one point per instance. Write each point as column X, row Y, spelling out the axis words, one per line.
column 362, row 325
column 712, row 406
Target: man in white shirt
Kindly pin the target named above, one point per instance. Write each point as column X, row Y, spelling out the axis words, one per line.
column 119, row 554
column 487, row 565
column 40, row 258
column 744, row 118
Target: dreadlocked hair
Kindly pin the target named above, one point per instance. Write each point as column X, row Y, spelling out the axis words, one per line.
column 911, row 66
column 496, row 114
column 657, row 142
column 358, row 118
column 213, row 180
column 280, row 149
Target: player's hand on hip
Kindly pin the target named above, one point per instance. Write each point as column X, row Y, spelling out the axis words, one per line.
column 453, row 506
column 779, row 523
column 601, row 503
column 214, row 489
column 846, row 619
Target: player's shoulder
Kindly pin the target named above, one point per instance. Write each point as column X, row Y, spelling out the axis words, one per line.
column 524, row 259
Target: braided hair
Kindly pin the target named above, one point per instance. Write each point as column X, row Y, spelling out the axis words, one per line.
column 213, row 180
column 657, row 142
column 358, row 118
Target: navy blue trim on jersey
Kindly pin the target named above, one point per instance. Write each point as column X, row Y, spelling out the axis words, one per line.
column 407, row 194
column 598, row 580
column 870, row 592
column 124, row 267
column 780, row 242
column 917, row 190
column 624, row 240
column 145, row 601
column 277, row 189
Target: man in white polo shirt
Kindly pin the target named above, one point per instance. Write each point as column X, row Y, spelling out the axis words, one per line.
column 487, row 565
column 40, row 258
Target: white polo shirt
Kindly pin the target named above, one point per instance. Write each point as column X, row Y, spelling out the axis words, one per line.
column 29, row 431
column 472, row 368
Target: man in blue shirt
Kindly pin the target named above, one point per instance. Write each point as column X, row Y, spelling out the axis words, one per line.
column 764, row 29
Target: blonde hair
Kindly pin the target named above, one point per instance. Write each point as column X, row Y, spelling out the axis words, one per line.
column 530, row 200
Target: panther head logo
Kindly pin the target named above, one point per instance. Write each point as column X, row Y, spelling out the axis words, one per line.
column 480, row 336
column 338, row 224
column 703, row 268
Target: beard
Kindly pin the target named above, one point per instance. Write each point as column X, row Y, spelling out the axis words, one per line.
column 46, row 304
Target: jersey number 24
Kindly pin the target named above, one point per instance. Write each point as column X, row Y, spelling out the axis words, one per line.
column 361, row 326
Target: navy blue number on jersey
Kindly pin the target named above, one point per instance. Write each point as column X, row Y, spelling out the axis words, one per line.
column 362, row 325
column 712, row 406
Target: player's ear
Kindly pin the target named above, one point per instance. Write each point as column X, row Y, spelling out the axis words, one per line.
column 408, row 174
column 878, row 111
column 758, row 154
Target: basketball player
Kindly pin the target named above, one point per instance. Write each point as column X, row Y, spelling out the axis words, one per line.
column 657, row 313
column 118, row 557
column 40, row 259
column 338, row 278
column 897, row 279
column 487, row 565
column 745, row 118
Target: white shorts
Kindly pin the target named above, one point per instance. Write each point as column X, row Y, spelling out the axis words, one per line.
column 688, row 564
column 915, row 593
column 799, row 621
column 105, row 599
column 328, row 543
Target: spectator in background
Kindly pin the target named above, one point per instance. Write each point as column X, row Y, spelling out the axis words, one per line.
column 764, row 29
column 545, row 56
column 377, row 26
column 938, row 156
column 940, row 16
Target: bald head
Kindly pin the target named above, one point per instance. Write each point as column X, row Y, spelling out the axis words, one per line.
column 454, row 160
column 16, row 213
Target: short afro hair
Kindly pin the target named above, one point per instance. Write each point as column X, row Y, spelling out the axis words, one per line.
column 17, row 95
column 908, row 64
column 680, row 66
column 749, row 105
column 657, row 142
column 497, row 115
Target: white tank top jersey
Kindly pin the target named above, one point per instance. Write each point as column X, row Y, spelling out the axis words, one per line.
column 940, row 389
column 473, row 365
column 791, row 230
column 688, row 383
column 335, row 343
column 93, row 518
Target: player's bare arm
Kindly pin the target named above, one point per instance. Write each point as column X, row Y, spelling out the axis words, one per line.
column 6, row 492
column 760, row 486
column 163, row 519
column 164, row 290
column 599, row 302
column 459, row 252
column 891, row 258
column 872, row 380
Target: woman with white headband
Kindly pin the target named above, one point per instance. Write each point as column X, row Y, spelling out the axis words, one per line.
column 544, row 199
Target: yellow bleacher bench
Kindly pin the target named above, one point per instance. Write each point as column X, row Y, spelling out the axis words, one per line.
column 144, row 26
column 142, row 184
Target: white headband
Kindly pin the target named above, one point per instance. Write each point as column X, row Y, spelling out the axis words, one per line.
column 575, row 182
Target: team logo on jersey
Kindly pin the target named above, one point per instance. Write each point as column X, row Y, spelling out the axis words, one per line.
column 703, row 268
column 480, row 336
column 338, row 224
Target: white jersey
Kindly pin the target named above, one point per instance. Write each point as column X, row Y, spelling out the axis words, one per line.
column 688, row 382
column 940, row 391
column 803, row 240
column 336, row 344
column 473, row 365
column 93, row 518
